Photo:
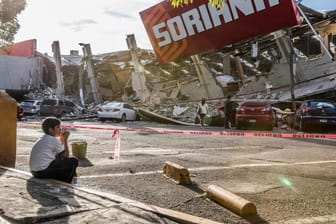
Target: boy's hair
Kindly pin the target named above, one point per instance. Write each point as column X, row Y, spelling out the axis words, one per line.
column 49, row 122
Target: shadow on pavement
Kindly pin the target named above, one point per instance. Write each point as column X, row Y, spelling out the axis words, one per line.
column 194, row 187
column 83, row 162
column 54, row 201
column 330, row 142
column 256, row 219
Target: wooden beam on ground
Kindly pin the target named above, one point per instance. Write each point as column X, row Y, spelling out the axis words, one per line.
column 231, row 201
column 180, row 217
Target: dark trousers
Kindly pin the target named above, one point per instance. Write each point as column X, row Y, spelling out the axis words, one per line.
column 62, row 169
column 202, row 118
column 227, row 120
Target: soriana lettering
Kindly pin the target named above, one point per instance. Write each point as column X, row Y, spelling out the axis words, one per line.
column 200, row 27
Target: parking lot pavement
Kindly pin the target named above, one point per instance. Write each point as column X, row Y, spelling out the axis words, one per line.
column 287, row 179
column 25, row 199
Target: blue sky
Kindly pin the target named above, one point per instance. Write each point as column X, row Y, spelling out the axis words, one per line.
column 320, row 4
column 102, row 23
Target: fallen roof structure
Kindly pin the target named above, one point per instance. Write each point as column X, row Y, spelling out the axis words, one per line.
column 312, row 71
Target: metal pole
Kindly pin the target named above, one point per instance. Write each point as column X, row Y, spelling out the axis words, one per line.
column 292, row 65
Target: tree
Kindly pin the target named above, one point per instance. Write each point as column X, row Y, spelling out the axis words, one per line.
column 178, row 3
column 9, row 25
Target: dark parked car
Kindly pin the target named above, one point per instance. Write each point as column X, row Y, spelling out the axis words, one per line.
column 58, row 108
column 256, row 114
column 315, row 114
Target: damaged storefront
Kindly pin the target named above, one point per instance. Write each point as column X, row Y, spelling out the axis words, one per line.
column 280, row 66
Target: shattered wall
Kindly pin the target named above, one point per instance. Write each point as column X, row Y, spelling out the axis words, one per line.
column 20, row 73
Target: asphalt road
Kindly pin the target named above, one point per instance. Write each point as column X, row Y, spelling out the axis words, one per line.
column 290, row 180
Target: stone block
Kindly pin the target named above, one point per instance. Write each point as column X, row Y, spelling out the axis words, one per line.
column 177, row 173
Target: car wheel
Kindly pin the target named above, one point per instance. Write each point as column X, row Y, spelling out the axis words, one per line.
column 295, row 124
column 102, row 119
column 302, row 126
column 60, row 115
column 123, row 118
column 239, row 126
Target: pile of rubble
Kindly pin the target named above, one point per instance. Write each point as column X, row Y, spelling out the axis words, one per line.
column 186, row 112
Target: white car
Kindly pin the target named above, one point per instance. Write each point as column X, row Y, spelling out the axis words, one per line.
column 117, row 111
column 30, row 107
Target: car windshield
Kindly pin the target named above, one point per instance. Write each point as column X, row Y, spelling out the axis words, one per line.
column 27, row 102
column 322, row 104
column 49, row 102
column 113, row 104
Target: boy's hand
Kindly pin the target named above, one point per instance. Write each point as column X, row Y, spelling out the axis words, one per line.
column 65, row 133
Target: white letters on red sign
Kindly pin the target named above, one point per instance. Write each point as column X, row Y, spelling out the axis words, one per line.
column 206, row 17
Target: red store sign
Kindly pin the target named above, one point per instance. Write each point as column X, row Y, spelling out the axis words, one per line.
column 200, row 27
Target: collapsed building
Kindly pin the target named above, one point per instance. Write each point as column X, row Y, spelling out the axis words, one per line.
column 24, row 69
column 300, row 62
column 286, row 65
column 260, row 68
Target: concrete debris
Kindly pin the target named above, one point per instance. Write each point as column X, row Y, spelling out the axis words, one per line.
column 188, row 111
column 178, row 110
column 174, row 89
column 177, row 173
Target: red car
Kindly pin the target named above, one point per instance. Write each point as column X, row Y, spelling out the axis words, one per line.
column 256, row 114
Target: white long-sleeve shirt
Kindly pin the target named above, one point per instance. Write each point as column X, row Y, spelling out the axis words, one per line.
column 204, row 109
